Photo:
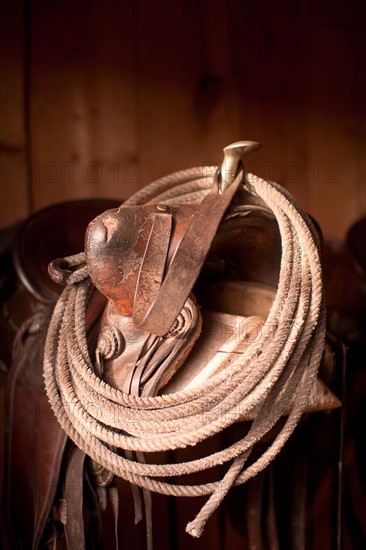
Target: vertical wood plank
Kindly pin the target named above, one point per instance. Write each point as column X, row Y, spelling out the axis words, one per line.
column 337, row 115
column 298, row 74
column 83, row 100
column 270, row 64
column 14, row 203
column 183, row 85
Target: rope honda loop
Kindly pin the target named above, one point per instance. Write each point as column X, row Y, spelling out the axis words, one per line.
column 127, row 394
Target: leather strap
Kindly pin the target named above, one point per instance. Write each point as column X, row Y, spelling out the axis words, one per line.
column 73, row 492
column 158, row 316
column 114, row 500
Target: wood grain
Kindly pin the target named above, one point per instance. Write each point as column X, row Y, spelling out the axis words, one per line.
column 121, row 93
column 14, row 189
column 83, row 107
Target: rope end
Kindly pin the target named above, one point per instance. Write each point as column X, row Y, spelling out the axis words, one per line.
column 194, row 530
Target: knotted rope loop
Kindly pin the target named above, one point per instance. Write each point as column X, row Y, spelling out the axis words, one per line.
column 69, row 270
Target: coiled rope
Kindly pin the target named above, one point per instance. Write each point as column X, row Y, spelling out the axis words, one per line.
column 274, row 374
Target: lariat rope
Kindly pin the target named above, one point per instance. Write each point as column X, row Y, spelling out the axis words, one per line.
column 273, row 376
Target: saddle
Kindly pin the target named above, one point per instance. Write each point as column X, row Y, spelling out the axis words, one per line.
column 174, row 288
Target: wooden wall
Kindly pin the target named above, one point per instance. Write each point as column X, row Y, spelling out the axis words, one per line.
column 99, row 98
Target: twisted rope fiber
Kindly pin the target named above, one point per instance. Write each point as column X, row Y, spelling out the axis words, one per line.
column 275, row 374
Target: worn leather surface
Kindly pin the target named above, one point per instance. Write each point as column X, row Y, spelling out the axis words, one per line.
column 34, row 447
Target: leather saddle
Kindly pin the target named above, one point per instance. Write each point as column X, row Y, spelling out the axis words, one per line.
column 236, row 278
